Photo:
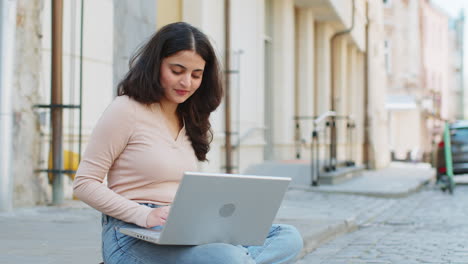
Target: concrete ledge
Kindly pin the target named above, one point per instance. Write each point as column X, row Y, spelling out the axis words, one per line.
column 397, row 194
column 397, row 181
column 340, row 175
column 300, row 172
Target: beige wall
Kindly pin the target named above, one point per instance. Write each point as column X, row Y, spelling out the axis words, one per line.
column 168, row 11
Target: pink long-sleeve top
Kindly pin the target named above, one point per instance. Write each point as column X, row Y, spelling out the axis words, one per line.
column 132, row 145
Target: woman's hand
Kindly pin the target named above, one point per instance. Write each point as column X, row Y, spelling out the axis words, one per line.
column 158, row 216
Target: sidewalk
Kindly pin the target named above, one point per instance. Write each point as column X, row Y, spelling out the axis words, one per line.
column 71, row 233
column 325, row 212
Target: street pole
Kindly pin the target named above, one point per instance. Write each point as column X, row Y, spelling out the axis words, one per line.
column 56, row 101
column 227, row 87
column 7, row 52
column 461, row 37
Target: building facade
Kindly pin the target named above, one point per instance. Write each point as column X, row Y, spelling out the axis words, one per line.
column 289, row 59
column 423, row 76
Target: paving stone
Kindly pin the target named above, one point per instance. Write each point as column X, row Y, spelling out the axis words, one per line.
column 427, row 227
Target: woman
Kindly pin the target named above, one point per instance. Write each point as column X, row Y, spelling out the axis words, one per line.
column 157, row 128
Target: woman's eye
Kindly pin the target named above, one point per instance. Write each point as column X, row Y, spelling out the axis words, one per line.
column 196, row 76
column 176, row 72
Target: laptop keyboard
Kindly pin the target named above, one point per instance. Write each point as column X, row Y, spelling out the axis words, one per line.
column 150, row 233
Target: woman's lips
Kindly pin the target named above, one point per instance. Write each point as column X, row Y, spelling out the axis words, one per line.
column 181, row 92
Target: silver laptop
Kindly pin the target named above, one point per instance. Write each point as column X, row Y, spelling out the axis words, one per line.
column 219, row 208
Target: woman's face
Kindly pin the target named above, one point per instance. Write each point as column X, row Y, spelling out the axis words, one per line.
column 181, row 75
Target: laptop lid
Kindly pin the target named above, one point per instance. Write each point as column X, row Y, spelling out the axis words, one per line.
column 224, row 208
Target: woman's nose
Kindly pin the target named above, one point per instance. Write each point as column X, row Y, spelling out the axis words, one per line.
column 185, row 80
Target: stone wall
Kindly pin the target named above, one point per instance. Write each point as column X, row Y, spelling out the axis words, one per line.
column 30, row 188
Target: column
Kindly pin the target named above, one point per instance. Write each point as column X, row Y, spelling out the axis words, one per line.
column 283, row 78
column 353, row 100
column 353, row 71
column 340, row 80
column 323, row 33
column 7, row 51
column 305, row 69
column 360, row 107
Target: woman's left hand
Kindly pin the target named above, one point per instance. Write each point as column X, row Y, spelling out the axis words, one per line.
column 158, row 216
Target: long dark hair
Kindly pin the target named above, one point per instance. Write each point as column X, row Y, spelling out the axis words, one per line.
column 142, row 80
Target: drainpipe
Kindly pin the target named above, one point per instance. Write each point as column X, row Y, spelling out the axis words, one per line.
column 227, row 90
column 7, row 52
column 366, row 143
column 461, row 34
column 333, row 154
column 56, row 101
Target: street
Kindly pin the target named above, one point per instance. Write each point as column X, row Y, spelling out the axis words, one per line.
column 427, row 227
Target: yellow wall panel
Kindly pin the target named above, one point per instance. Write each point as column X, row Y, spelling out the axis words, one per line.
column 168, row 11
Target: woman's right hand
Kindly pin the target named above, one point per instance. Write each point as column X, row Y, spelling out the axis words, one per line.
column 158, row 216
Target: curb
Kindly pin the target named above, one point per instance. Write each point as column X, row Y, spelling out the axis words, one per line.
column 311, row 242
column 377, row 194
column 314, row 234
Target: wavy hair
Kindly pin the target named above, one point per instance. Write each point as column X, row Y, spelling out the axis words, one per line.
column 142, row 80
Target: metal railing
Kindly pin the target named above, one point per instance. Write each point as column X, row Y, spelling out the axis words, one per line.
column 350, row 126
column 322, row 136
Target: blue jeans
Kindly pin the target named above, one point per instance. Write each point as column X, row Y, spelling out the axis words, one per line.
column 282, row 245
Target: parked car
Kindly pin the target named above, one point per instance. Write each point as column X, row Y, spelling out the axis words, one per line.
column 459, row 143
